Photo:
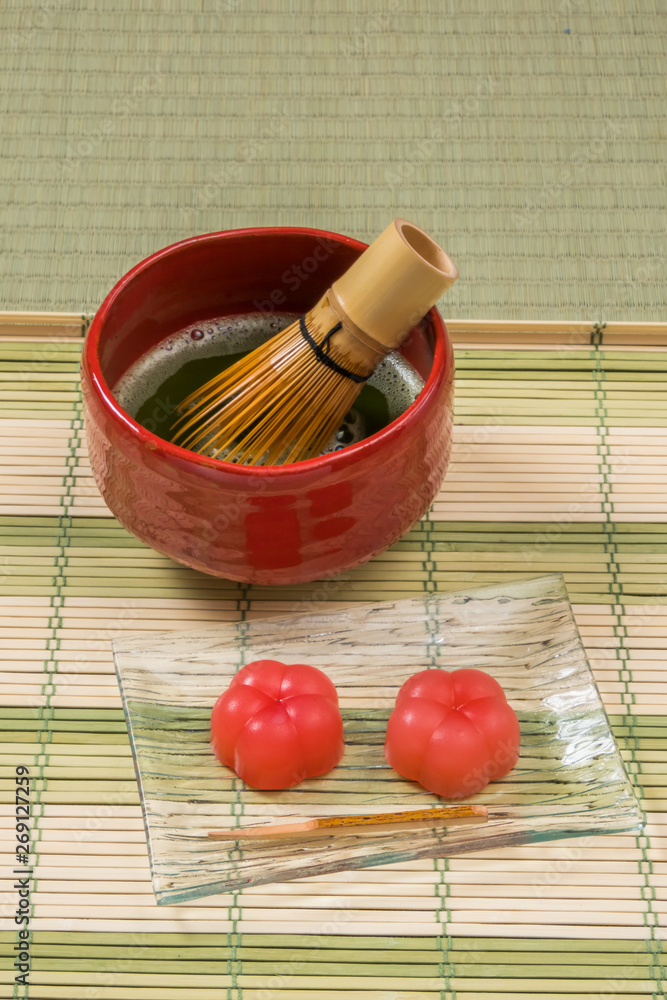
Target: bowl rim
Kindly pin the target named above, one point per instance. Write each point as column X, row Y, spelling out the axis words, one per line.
column 92, row 369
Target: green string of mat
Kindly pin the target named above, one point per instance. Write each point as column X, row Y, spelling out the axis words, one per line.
column 654, row 944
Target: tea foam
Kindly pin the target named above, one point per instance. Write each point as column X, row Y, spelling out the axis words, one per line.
column 395, row 377
column 212, row 338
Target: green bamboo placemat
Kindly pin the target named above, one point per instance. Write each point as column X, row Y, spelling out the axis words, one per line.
column 558, row 465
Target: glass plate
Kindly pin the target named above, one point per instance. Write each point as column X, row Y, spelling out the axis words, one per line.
column 570, row 779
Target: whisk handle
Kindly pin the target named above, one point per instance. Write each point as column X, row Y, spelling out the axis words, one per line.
column 395, row 282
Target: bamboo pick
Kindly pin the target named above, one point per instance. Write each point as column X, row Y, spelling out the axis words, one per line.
column 452, row 815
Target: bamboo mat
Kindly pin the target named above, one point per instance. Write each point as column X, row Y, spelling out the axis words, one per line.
column 558, row 465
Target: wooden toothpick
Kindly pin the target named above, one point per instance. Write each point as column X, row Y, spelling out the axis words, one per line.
column 337, row 825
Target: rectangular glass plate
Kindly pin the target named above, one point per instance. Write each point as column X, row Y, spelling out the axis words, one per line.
column 570, row 779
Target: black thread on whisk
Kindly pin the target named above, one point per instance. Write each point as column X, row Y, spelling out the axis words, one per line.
column 321, row 354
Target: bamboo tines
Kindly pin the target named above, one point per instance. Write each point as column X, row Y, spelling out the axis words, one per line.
column 292, row 418
column 285, row 400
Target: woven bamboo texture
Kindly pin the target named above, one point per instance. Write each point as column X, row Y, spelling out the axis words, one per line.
column 526, row 135
column 558, row 465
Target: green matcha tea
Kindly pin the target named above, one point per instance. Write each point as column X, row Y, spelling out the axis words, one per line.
column 153, row 388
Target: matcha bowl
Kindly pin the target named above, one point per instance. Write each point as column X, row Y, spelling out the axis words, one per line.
column 281, row 524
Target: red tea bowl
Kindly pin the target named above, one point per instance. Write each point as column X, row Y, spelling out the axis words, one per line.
column 269, row 525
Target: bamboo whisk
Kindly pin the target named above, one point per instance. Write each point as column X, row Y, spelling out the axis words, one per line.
column 283, row 401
